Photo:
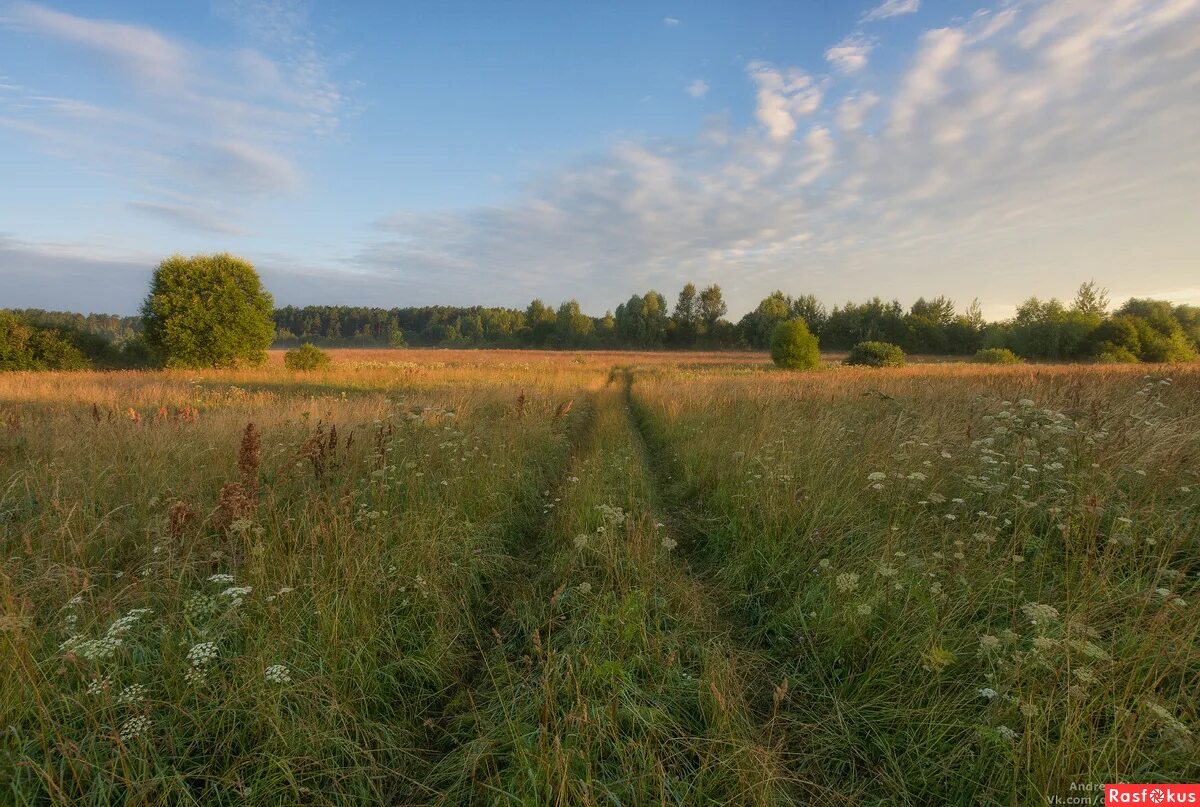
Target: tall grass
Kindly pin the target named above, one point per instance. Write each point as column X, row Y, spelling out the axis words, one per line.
column 983, row 584
column 611, row 683
column 416, row 578
column 191, row 618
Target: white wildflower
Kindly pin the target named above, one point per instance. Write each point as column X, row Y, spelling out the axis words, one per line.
column 133, row 728
column 201, row 654
column 236, row 594
column 132, row 694
column 98, row 686
column 847, row 581
column 1039, row 613
column 278, row 674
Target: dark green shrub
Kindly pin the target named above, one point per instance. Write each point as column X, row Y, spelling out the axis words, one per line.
column 1108, row 353
column 793, row 347
column 876, row 354
column 136, row 353
column 208, row 311
column 997, row 355
column 24, row 346
column 307, row 357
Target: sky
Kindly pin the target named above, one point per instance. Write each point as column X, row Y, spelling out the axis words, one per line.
column 463, row 153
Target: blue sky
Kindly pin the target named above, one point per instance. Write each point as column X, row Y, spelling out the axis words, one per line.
column 402, row 154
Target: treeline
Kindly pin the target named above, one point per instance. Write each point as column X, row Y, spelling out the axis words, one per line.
column 112, row 327
column 1140, row 330
column 32, row 339
column 643, row 322
column 1084, row 329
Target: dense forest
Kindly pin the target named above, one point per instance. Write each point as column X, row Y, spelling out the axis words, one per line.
column 1145, row 330
column 1084, row 329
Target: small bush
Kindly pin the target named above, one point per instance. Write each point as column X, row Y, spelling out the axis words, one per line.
column 997, row 355
column 793, row 347
column 307, row 357
column 876, row 354
column 1108, row 353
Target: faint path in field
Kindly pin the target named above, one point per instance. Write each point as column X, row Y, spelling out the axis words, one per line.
column 526, row 546
column 739, row 734
column 683, row 519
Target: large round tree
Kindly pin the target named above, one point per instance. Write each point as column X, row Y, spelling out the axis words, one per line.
column 208, row 311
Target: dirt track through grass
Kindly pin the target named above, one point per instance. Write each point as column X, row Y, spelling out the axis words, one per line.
column 611, row 680
column 527, row 547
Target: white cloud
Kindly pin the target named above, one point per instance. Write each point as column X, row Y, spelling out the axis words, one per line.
column 892, row 8
column 670, row 22
column 191, row 217
column 783, row 96
column 853, row 110
column 999, row 173
column 218, row 125
column 697, row 89
column 245, row 167
column 851, row 54
column 144, row 53
column 925, row 81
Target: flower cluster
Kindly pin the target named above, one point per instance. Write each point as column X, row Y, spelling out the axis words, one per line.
column 278, row 674
column 134, row 728
column 201, row 655
column 107, row 645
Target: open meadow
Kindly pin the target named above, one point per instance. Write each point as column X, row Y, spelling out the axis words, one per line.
column 602, row 578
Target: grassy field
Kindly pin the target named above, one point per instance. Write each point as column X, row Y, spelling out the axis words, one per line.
column 525, row 578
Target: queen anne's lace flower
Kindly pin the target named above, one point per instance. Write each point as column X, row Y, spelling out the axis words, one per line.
column 134, row 727
column 1039, row 612
column 278, row 674
column 99, row 685
column 846, row 581
column 134, row 693
column 201, row 654
column 235, row 594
